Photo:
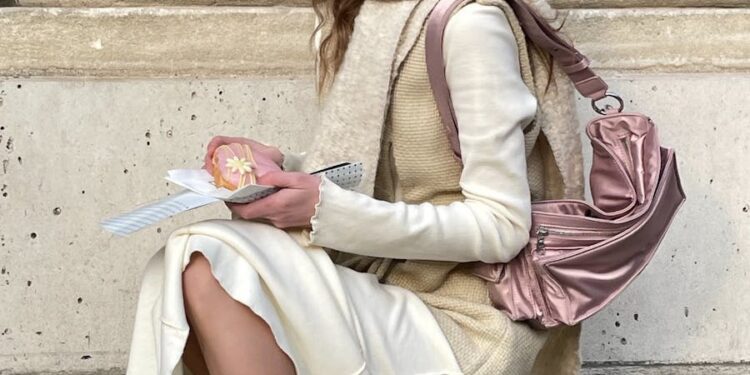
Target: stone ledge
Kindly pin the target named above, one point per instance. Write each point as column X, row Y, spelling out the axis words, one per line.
column 662, row 40
column 156, row 42
column 647, row 3
column 673, row 369
column 272, row 41
column 156, row 3
column 556, row 3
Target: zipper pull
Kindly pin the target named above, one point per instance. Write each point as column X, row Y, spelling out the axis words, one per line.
column 541, row 232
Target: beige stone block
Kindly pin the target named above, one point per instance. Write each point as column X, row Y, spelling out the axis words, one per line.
column 139, row 3
column 647, row 3
column 156, row 42
column 665, row 40
column 555, row 3
column 273, row 41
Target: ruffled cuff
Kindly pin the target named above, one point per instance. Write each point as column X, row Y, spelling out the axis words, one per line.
column 293, row 161
column 328, row 194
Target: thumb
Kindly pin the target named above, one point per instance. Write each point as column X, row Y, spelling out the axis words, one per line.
column 278, row 178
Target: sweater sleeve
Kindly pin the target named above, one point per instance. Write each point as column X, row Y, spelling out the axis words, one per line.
column 492, row 106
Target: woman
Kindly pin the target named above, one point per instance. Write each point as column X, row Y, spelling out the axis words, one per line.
column 316, row 279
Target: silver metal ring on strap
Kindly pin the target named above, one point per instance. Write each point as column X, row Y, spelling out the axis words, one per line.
column 611, row 95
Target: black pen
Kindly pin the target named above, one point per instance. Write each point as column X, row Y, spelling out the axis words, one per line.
column 331, row 167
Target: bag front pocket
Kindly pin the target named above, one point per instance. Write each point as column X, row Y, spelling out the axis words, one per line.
column 569, row 238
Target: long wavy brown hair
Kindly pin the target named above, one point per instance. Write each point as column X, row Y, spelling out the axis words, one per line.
column 337, row 23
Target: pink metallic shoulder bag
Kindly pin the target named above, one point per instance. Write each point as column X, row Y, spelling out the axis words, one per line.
column 580, row 256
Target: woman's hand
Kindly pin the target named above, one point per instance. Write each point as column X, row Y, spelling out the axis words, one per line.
column 260, row 150
column 292, row 206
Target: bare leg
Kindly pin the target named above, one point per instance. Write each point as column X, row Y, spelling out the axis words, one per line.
column 233, row 339
column 193, row 357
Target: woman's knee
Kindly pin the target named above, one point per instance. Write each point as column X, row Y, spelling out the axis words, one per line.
column 198, row 283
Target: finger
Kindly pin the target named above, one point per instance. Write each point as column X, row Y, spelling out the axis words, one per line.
column 208, row 164
column 256, row 143
column 280, row 179
column 256, row 211
column 215, row 142
column 212, row 146
column 220, row 140
column 260, row 209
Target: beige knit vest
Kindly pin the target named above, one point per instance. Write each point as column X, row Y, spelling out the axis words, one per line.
column 415, row 152
column 416, row 165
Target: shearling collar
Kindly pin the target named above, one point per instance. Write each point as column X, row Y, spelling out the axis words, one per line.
column 354, row 112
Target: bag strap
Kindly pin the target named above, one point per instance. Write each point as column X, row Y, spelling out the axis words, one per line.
column 572, row 62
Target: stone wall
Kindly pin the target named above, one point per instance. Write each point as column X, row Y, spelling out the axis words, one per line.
column 99, row 97
column 556, row 3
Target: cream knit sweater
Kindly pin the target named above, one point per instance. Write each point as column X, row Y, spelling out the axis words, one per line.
column 488, row 216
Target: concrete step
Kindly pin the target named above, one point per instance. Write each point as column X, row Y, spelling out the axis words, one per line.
column 668, row 369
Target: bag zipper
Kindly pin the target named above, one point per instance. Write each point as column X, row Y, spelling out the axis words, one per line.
column 545, row 314
column 532, row 278
column 543, row 231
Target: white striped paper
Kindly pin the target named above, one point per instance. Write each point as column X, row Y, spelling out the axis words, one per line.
column 346, row 175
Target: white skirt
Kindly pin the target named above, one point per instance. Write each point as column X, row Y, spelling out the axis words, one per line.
column 328, row 318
